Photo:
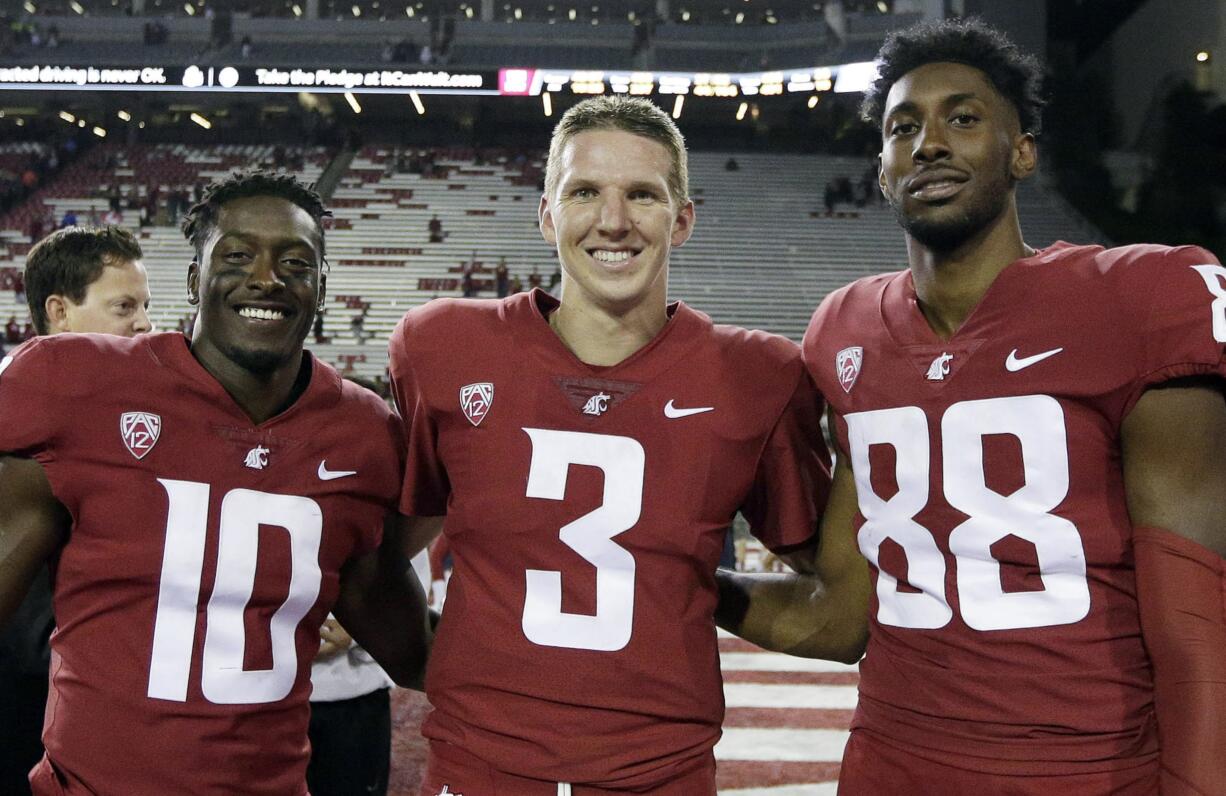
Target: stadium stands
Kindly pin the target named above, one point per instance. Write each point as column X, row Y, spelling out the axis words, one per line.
column 763, row 255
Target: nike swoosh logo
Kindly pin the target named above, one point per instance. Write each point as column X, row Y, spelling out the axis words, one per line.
column 329, row 475
column 1014, row 363
column 673, row 412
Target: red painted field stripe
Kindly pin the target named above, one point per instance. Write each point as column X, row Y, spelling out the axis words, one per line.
column 790, row 718
column 792, row 678
column 752, row 773
column 738, row 645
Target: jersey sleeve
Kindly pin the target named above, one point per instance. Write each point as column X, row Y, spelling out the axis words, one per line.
column 1183, row 316
column 793, row 477
column 27, row 400
column 426, row 485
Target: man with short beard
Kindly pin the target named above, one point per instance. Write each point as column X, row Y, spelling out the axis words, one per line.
column 204, row 502
column 1031, row 456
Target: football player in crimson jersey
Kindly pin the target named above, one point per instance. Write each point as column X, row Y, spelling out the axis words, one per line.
column 1031, row 445
column 204, row 502
column 589, row 454
column 82, row 280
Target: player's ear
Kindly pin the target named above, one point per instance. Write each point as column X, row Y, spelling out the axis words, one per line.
column 56, row 307
column 683, row 224
column 1025, row 156
column 545, row 215
column 881, row 177
column 193, row 283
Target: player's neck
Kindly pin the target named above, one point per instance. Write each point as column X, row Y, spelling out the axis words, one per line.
column 950, row 284
column 261, row 396
column 603, row 338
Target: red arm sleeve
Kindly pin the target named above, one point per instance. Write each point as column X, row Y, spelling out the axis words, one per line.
column 793, row 477
column 1181, row 590
column 426, row 486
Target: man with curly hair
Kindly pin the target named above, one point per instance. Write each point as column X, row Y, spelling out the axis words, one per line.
column 1031, row 461
column 204, row 503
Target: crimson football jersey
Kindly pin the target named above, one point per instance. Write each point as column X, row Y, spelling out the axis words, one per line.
column 586, row 511
column 203, row 557
column 992, row 507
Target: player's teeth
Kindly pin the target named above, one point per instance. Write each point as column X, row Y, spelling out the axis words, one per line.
column 259, row 314
column 611, row 257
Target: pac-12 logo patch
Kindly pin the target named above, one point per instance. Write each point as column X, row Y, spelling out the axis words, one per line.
column 140, row 432
column 475, row 400
column 847, row 364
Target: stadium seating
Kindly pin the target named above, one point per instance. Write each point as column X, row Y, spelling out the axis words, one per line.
column 763, row 255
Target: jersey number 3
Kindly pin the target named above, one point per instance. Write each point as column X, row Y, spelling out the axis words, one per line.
column 223, row 680
column 1037, row 421
column 621, row 459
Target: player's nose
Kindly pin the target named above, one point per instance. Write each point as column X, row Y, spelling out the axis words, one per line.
column 614, row 215
column 931, row 144
column 263, row 275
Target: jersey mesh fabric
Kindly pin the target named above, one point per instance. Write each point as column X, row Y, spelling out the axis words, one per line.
column 232, row 568
column 613, row 678
column 1004, row 621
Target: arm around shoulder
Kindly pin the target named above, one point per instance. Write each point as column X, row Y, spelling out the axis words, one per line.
column 820, row 610
column 382, row 603
column 1175, row 476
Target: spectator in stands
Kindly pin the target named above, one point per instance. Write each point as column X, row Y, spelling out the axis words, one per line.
column 534, row 278
column 112, row 217
column 435, row 228
column 502, row 281
column 69, row 219
column 153, row 195
column 517, row 285
column 81, row 280
column 426, row 56
column 245, row 47
column 555, row 278
column 36, row 228
column 19, row 287
column 732, row 165
column 358, row 324
column 468, row 285
column 12, row 331
column 863, row 192
column 868, row 183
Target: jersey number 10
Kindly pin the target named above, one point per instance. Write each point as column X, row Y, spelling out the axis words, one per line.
column 223, row 680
